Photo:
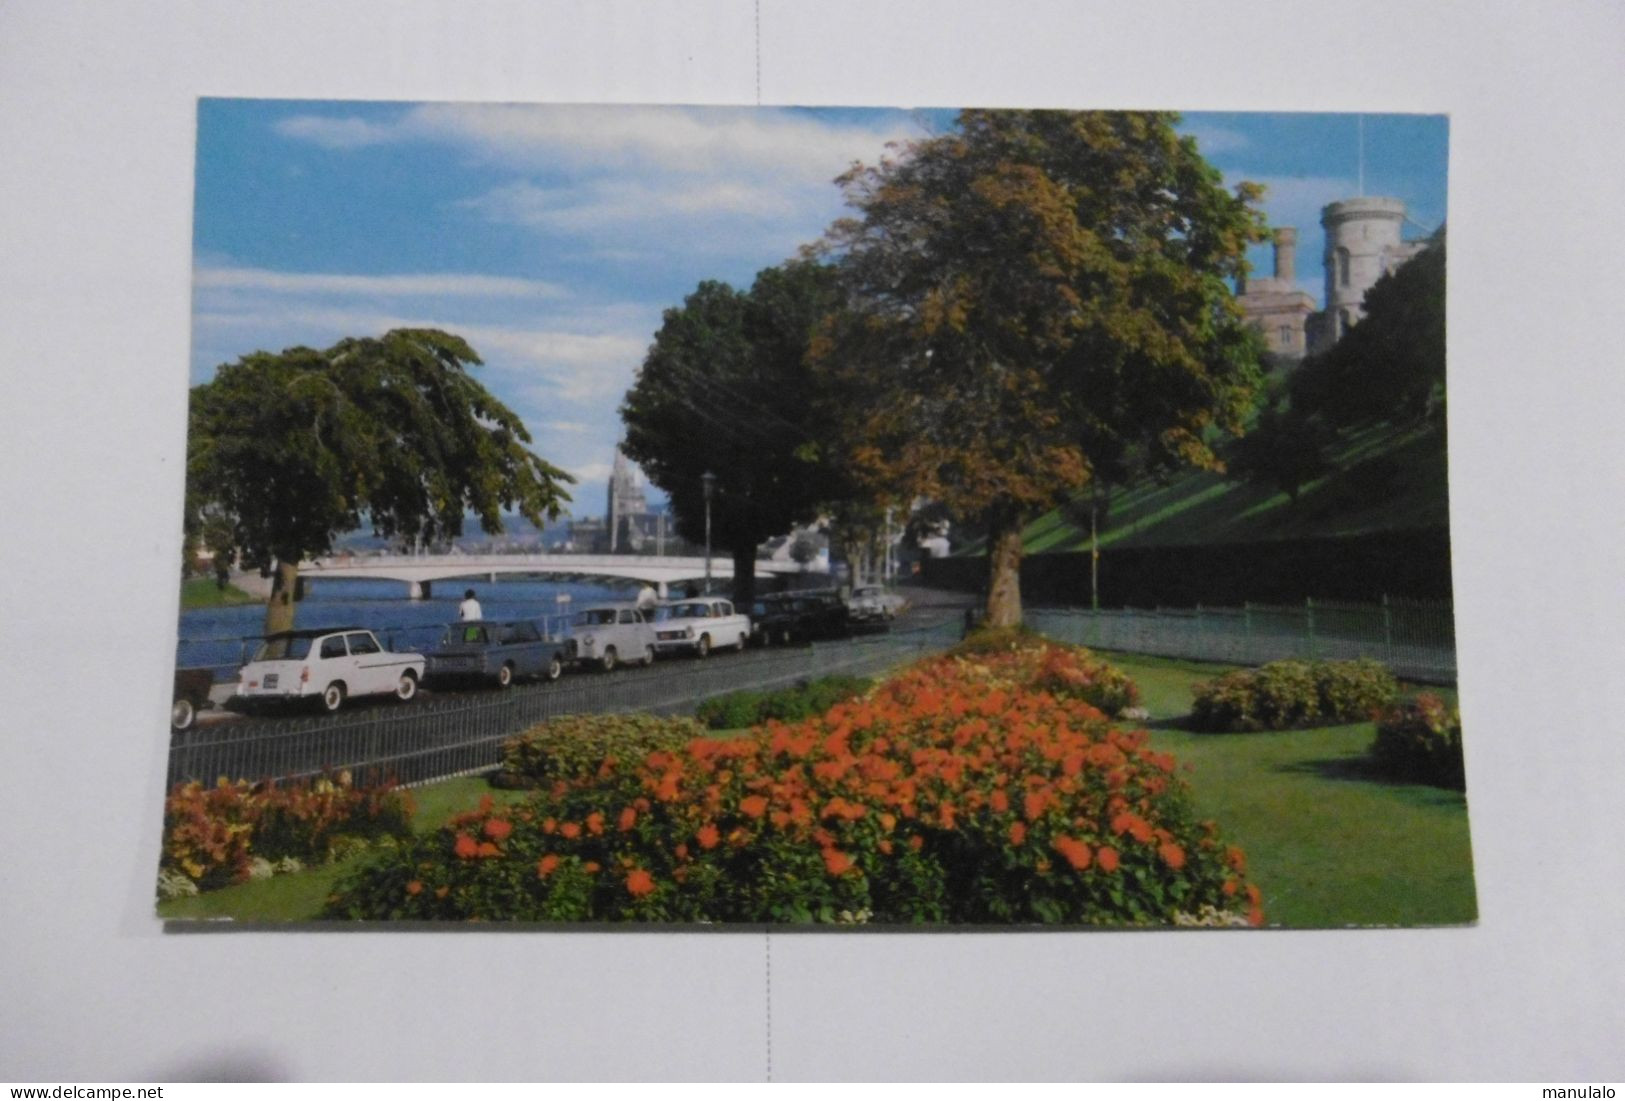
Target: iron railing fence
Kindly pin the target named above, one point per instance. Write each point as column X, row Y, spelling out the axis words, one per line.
column 1414, row 639
column 438, row 738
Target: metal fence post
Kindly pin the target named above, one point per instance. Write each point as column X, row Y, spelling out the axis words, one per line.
column 1309, row 624
column 1387, row 632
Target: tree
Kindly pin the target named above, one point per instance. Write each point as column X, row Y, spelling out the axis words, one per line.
column 1032, row 298
column 1390, row 366
column 297, row 447
column 725, row 389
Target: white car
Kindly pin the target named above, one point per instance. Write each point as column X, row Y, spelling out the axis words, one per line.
column 699, row 625
column 873, row 604
column 612, row 634
column 327, row 665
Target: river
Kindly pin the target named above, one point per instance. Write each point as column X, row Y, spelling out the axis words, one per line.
column 225, row 637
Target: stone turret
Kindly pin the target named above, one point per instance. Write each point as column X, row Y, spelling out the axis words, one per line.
column 1363, row 243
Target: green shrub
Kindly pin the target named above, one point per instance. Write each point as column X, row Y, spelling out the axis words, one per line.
column 734, row 711
column 576, row 747
column 1420, row 740
column 1354, row 689
column 1284, row 695
column 737, row 710
column 1071, row 672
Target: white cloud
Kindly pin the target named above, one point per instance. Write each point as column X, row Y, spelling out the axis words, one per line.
column 441, row 284
column 615, row 204
column 340, row 133
column 683, row 139
column 588, row 474
column 573, row 427
column 1297, row 200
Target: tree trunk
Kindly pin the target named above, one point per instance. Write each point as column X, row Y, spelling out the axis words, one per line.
column 279, row 606
column 744, row 591
column 1004, row 573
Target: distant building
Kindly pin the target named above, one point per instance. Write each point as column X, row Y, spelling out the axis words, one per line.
column 626, row 500
column 1364, row 241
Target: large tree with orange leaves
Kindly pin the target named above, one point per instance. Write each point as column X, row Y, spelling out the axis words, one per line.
column 1034, row 297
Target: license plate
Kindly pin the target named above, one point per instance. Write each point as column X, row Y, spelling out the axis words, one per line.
column 270, row 680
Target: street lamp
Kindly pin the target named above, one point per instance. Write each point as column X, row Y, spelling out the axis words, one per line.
column 709, row 481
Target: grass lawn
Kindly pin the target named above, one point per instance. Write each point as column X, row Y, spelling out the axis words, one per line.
column 1328, row 842
column 299, row 897
column 202, row 592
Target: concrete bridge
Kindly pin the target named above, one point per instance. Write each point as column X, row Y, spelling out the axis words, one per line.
column 420, row 572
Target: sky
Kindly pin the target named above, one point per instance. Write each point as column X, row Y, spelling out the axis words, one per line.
column 552, row 237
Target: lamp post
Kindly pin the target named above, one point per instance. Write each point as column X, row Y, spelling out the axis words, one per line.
column 709, row 481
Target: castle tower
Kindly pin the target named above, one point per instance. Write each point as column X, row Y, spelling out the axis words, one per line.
column 1275, row 306
column 1363, row 243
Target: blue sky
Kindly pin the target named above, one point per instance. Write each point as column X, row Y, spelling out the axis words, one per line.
column 552, row 237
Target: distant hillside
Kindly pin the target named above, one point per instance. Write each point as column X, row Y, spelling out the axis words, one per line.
column 1386, row 479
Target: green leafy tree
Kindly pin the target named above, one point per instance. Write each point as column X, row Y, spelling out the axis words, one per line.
column 297, row 447
column 1390, row 366
column 1034, row 297
column 725, row 389
column 1285, row 450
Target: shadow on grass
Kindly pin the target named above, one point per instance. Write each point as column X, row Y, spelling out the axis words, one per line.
column 1363, row 769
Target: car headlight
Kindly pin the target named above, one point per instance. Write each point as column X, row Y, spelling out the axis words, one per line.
column 587, row 639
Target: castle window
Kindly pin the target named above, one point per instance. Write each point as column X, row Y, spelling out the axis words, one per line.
column 1343, row 267
column 1286, row 336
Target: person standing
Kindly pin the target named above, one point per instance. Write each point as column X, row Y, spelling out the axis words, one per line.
column 469, row 608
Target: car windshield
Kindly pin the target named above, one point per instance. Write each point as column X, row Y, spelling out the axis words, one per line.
column 284, row 648
column 593, row 617
column 685, row 611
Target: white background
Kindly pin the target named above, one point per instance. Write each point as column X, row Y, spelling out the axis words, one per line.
column 96, row 145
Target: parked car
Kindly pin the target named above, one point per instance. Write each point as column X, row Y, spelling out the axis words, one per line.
column 791, row 617
column 699, row 625
column 327, row 665
column 610, row 634
column 191, row 696
column 499, row 652
column 872, row 604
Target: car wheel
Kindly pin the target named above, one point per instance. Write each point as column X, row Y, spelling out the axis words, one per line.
column 333, row 697
column 648, row 655
column 407, row 686
column 702, row 647
column 785, row 637
column 608, row 660
column 742, row 639
column 555, row 668
column 505, row 675
column 182, row 714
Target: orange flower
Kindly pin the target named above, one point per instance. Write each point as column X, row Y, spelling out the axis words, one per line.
column 1076, row 852
column 884, row 845
column 629, row 818
column 708, row 836
column 753, row 805
column 916, row 842
column 1032, row 805
column 595, row 823
column 592, row 867
column 415, row 887
column 639, row 883
column 1230, row 888
column 1253, row 895
column 570, row 830
column 1172, row 855
column 545, row 866
column 442, row 892
column 1236, row 859
column 498, row 829
column 836, row 862
column 681, row 851
column 999, row 801
column 466, row 847
column 1018, row 833
column 549, row 825
column 488, row 848
column 1107, row 859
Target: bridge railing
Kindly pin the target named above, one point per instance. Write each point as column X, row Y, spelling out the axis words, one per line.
column 433, row 739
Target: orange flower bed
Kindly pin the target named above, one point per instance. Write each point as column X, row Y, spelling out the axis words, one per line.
column 963, row 790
